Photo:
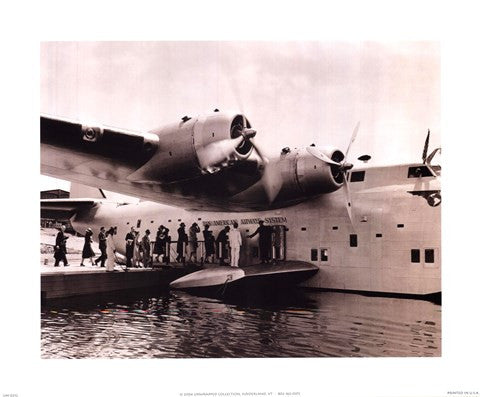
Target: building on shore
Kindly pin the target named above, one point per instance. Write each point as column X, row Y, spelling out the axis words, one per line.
column 54, row 219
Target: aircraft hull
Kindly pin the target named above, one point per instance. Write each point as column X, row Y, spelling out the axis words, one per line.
column 393, row 246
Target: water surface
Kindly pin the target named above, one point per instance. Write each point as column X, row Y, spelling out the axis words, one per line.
column 291, row 324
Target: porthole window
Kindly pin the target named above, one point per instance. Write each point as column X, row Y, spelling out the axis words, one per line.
column 353, row 240
column 429, row 256
column 324, row 254
column 415, row 255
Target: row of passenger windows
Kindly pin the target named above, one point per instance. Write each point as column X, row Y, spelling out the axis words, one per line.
column 324, row 251
column 429, row 255
column 139, row 222
column 399, row 226
column 323, row 254
column 415, row 255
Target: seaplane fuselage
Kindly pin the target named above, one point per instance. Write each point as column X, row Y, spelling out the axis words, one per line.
column 391, row 245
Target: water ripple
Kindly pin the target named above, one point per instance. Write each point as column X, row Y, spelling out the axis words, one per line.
column 308, row 324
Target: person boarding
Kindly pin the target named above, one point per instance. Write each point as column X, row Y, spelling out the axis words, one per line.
column 61, row 247
column 235, row 239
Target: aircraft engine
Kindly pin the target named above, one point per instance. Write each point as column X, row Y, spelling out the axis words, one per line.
column 315, row 176
column 195, row 146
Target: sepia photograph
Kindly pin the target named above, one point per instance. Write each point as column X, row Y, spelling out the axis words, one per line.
column 240, row 199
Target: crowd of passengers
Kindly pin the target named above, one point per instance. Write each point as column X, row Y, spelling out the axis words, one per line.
column 140, row 253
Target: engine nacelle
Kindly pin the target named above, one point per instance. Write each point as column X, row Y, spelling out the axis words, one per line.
column 176, row 158
column 316, row 176
column 304, row 175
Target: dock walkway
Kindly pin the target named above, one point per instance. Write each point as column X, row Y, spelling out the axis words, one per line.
column 75, row 280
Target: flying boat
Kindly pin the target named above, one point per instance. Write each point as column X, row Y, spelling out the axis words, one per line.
column 371, row 229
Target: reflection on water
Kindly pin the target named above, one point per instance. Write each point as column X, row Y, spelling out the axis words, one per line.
column 293, row 324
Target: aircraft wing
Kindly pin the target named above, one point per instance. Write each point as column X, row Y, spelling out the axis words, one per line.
column 199, row 159
column 78, row 152
column 66, row 204
column 65, row 208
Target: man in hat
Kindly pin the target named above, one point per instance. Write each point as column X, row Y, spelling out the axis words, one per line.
column 102, row 245
column 181, row 242
column 61, row 247
column 157, row 247
column 264, row 241
column 145, row 244
column 129, row 246
column 235, row 239
column 222, row 241
column 209, row 244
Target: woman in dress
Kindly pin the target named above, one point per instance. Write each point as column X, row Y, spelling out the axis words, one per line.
column 193, row 242
column 110, row 250
column 136, row 251
column 87, row 247
column 159, row 240
column 160, row 247
column 145, row 245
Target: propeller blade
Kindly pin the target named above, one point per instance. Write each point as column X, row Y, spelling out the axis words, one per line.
column 320, row 155
column 425, row 147
column 432, row 155
column 259, row 152
column 348, row 200
column 272, row 179
column 216, row 152
column 352, row 139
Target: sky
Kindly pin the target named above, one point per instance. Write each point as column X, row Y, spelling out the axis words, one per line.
column 293, row 92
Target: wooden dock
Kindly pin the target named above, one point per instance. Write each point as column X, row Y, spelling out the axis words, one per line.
column 65, row 282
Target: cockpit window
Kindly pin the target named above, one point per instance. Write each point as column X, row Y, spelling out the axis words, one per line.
column 357, row 176
column 419, row 171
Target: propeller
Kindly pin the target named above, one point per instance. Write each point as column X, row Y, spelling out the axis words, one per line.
column 271, row 178
column 218, row 151
column 427, row 160
column 339, row 168
column 432, row 155
column 425, row 147
column 321, row 156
